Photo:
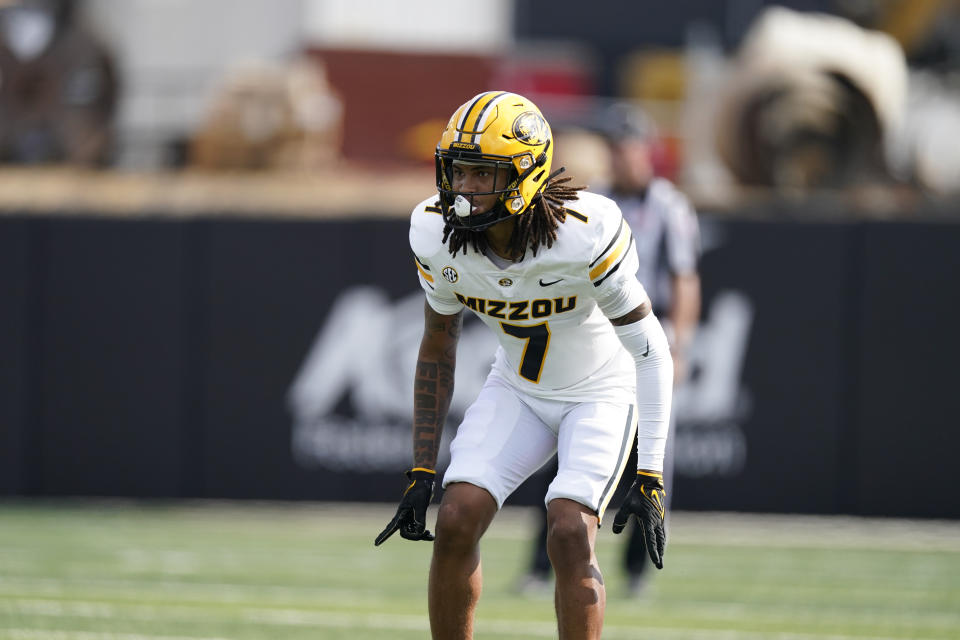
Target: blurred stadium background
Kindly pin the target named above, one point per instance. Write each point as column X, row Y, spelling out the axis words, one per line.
column 208, row 316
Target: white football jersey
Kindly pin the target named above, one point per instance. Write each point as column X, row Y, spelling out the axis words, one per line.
column 550, row 311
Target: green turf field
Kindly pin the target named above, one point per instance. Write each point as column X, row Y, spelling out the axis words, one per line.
column 121, row 571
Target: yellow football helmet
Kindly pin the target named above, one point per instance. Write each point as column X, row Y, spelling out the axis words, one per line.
column 504, row 130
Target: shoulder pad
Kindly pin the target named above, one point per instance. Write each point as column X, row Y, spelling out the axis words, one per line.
column 426, row 228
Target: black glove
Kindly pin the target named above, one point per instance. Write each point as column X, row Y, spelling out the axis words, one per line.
column 411, row 518
column 645, row 500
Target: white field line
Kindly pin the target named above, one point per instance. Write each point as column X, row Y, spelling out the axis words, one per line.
column 13, row 595
column 518, row 523
column 105, row 611
column 216, row 592
column 502, row 629
column 44, row 634
column 371, row 621
column 238, row 593
column 526, row 629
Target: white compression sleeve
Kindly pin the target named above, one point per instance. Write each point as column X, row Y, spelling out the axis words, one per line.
column 647, row 343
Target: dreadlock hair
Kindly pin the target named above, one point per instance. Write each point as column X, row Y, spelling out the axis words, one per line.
column 534, row 228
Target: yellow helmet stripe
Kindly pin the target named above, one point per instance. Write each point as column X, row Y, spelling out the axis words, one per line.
column 475, row 113
column 464, row 115
column 487, row 111
column 466, row 110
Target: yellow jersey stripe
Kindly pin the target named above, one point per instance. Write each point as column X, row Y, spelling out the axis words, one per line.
column 423, row 274
column 612, row 257
column 613, row 241
column 614, row 268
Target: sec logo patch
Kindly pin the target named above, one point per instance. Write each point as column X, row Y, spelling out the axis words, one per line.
column 450, row 274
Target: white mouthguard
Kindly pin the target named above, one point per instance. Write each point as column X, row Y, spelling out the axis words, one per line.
column 462, row 206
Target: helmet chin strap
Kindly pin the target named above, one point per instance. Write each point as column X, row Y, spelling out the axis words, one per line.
column 553, row 175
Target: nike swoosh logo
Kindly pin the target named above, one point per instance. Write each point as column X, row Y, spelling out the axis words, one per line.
column 547, row 284
column 647, row 352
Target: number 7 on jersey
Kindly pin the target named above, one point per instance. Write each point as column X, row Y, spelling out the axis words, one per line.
column 535, row 351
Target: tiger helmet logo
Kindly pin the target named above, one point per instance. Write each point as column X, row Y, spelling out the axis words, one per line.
column 530, row 128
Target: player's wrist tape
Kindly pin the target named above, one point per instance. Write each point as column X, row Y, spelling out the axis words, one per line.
column 421, row 473
column 650, row 484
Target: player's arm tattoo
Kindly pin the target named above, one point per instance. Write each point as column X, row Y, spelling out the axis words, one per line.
column 433, row 383
column 639, row 313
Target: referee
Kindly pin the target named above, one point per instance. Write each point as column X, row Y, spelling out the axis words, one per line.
column 665, row 227
column 667, row 234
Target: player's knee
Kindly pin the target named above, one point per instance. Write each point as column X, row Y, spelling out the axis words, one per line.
column 568, row 539
column 458, row 526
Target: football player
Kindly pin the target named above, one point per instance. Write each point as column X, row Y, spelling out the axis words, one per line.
column 582, row 366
